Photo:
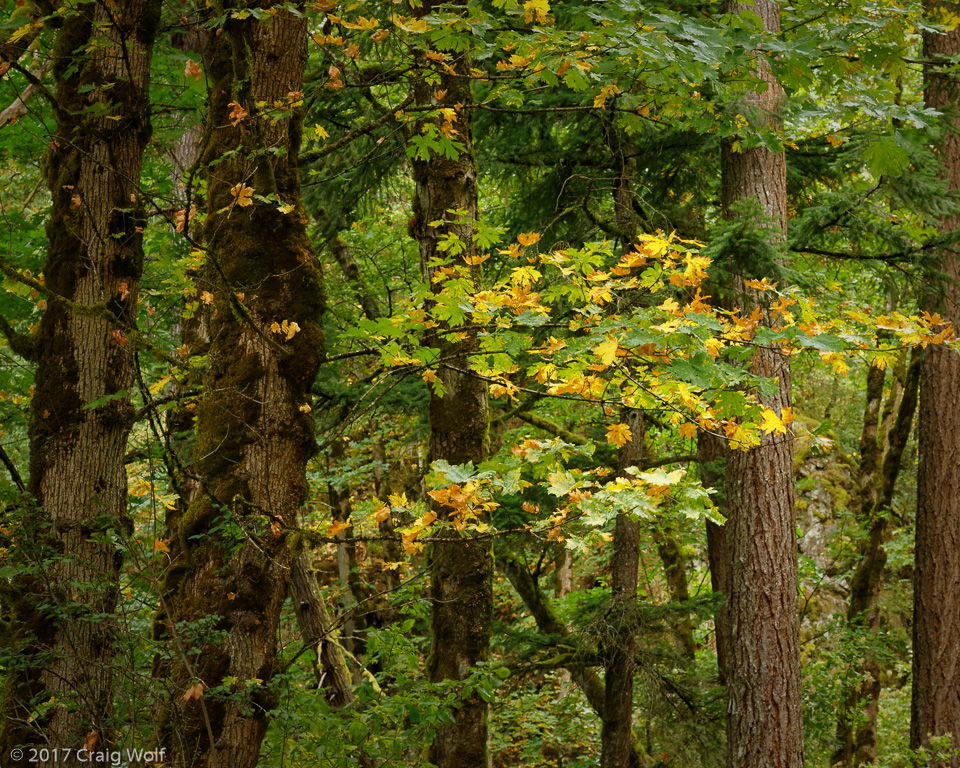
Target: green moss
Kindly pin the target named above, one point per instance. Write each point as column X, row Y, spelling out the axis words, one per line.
column 196, row 520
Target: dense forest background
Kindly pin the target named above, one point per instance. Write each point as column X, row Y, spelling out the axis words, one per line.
column 479, row 384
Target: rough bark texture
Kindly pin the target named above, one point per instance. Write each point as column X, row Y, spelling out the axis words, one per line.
column 77, row 476
column 461, row 565
column 619, row 643
column 254, row 435
column 764, row 719
column 936, row 599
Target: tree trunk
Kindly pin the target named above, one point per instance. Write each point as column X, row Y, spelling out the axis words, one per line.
column 77, row 474
column 254, row 429
column 935, row 707
column 619, row 643
column 461, row 564
column 675, row 573
column 764, row 719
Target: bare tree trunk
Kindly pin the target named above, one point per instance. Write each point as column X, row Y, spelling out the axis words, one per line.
column 77, row 474
column 764, row 719
column 935, row 707
column 461, row 564
column 254, row 429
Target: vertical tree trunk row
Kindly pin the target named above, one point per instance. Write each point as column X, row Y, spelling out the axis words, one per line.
column 77, row 474
column 764, row 719
column 935, row 708
column 254, row 428
column 461, row 565
column 619, row 643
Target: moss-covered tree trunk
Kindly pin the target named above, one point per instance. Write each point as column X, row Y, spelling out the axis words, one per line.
column 64, row 614
column 764, row 719
column 935, row 707
column 254, row 431
column 461, row 564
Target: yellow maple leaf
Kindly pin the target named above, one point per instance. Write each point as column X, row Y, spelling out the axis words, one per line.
column 338, row 527
column 687, row 430
column 161, row 545
column 670, row 305
column 158, row 385
column 243, row 194
column 607, row 351
column 538, row 8
column 526, row 239
column 21, row 33
column 771, row 423
column 606, row 92
column 417, row 26
column 619, row 435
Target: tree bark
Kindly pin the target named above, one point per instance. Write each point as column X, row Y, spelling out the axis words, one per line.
column 619, row 643
column 461, row 564
column 935, row 709
column 764, row 719
column 254, row 429
column 65, row 615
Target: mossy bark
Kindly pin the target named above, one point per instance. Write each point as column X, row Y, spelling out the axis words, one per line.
column 254, row 431
column 764, row 717
column 935, row 708
column 64, row 616
column 461, row 564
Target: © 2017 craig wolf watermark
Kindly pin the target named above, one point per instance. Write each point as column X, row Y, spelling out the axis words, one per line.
column 87, row 756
